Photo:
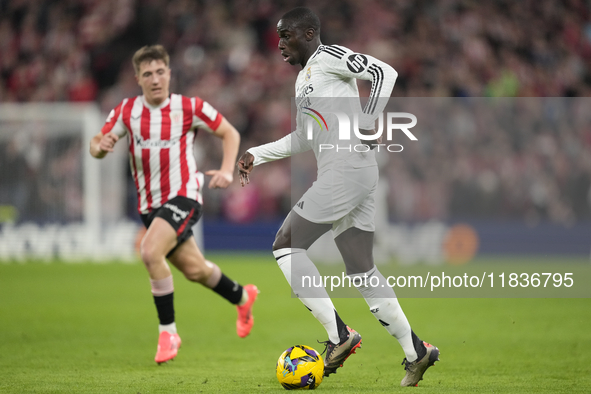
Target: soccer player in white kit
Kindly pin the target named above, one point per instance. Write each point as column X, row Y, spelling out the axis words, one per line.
column 342, row 197
column 161, row 129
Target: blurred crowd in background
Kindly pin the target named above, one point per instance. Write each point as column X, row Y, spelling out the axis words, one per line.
column 226, row 52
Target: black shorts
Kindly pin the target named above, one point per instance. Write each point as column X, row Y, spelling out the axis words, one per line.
column 181, row 213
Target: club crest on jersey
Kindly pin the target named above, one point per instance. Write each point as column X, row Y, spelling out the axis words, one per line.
column 308, row 73
column 176, row 117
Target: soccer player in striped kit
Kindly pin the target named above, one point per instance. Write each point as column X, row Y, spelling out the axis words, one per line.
column 342, row 198
column 161, row 129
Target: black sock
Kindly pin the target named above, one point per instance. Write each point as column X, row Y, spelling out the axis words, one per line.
column 341, row 328
column 419, row 346
column 229, row 289
column 165, row 308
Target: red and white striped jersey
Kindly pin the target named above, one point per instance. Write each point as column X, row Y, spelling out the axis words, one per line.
column 161, row 145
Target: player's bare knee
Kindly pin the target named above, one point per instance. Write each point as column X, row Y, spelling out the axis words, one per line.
column 148, row 254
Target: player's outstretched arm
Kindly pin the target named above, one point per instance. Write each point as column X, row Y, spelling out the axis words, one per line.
column 223, row 177
column 101, row 144
column 290, row 144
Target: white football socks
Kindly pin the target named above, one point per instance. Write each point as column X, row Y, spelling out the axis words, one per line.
column 384, row 305
column 295, row 264
column 170, row 328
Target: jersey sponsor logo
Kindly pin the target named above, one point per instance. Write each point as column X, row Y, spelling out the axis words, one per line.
column 302, row 100
column 300, row 204
column 375, row 310
column 308, row 74
column 305, row 90
column 147, row 144
column 356, row 63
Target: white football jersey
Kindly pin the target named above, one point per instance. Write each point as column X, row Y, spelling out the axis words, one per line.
column 326, row 85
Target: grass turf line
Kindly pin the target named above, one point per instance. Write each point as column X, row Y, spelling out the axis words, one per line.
column 89, row 328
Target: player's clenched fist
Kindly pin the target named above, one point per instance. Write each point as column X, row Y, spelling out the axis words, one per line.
column 245, row 166
column 108, row 142
column 101, row 144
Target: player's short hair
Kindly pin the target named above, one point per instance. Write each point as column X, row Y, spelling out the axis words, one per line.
column 304, row 18
column 149, row 53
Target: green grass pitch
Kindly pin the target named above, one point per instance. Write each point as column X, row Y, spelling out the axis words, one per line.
column 92, row 328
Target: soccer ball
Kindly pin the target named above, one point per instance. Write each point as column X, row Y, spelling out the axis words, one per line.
column 300, row 367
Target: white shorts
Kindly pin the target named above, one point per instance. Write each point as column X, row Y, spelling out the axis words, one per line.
column 343, row 197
